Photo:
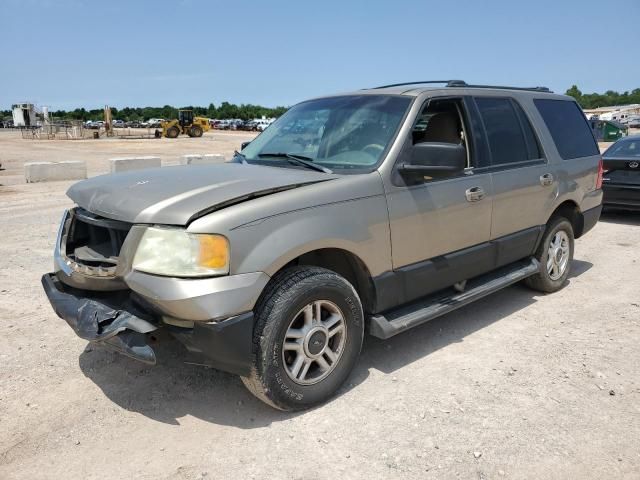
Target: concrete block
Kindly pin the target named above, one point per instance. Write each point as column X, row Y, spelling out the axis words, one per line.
column 209, row 158
column 127, row 164
column 189, row 159
column 52, row 172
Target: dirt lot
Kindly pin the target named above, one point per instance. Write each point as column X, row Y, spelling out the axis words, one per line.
column 519, row 385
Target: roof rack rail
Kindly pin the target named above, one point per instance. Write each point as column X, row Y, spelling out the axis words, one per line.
column 504, row 87
column 463, row 84
column 448, row 83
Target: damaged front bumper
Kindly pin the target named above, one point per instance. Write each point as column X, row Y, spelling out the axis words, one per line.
column 93, row 319
column 113, row 319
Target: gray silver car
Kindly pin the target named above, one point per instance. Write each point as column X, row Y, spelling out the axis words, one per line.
column 373, row 211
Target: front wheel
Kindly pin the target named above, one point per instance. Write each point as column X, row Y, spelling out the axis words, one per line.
column 307, row 338
column 555, row 254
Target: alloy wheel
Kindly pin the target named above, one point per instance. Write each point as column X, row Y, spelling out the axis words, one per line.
column 558, row 255
column 314, row 342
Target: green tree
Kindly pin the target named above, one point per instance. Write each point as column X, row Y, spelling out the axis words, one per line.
column 226, row 110
column 608, row 98
column 574, row 92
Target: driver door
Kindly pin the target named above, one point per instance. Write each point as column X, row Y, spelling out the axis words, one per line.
column 440, row 228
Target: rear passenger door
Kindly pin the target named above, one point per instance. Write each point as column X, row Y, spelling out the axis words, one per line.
column 523, row 184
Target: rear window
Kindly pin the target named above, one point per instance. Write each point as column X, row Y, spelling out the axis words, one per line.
column 568, row 127
column 626, row 148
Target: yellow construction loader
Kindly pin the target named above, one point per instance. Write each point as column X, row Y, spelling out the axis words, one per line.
column 185, row 124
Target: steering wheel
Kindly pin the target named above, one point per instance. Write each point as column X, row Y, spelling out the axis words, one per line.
column 377, row 148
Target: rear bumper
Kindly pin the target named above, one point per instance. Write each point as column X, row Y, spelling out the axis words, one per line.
column 590, row 218
column 115, row 320
column 621, row 196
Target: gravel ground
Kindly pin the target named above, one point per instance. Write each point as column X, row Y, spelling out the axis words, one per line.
column 518, row 385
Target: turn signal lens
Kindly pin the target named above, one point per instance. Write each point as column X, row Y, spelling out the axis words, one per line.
column 214, row 251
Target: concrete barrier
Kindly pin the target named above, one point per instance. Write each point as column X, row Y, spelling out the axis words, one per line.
column 196, row 159
column 127, row 164
column 189, row 159
column 52, row 172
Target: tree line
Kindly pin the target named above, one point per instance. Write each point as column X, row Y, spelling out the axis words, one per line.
column 608, row 98
column 248, row 111
column 129, row 114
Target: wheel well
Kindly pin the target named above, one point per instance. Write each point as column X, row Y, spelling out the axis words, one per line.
column 347, row 265
column 571, row 212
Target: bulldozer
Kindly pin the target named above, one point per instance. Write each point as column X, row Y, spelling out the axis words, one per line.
column 185, row 124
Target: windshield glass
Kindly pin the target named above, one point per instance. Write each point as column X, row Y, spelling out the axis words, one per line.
column 349, row 132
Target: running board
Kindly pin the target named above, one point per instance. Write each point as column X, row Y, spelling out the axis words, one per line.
column 397, row 321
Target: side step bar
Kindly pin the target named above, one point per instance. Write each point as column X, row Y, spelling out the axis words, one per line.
column 397, row 321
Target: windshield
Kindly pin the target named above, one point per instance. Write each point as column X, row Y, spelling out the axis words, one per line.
column 350, row 132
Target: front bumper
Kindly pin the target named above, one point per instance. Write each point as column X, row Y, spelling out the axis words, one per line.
column 117, row 321
column 97, row 319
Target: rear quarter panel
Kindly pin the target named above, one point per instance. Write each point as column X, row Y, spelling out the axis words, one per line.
column 575, row 178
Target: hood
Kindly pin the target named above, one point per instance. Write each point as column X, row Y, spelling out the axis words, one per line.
column 177, row 195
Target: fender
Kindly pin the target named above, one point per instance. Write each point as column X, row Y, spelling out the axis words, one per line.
column 271, row 243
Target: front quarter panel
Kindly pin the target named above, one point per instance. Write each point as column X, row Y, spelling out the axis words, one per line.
column 348, row 213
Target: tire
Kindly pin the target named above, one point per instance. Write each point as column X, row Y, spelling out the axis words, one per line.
column 195, row 131
column 549, row 279
column 173, row 132
column 280, row 377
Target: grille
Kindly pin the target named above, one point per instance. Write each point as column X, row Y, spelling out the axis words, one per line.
column 92, row 243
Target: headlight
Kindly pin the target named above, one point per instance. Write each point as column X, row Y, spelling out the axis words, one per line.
column 176, row 253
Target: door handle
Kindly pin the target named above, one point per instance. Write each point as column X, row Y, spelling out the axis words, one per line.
column 546, row 179
column 474, row 194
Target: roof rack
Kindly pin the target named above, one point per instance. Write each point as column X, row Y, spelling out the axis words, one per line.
column 452, row 83
column 463, row 84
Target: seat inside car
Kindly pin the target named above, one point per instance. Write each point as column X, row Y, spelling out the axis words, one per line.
column 442, row 127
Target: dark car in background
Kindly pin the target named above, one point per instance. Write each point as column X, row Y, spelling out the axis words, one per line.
column 621, row 182
column 248, row 125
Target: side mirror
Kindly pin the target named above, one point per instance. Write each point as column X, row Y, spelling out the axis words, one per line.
column 243, row 145
column 434, row 159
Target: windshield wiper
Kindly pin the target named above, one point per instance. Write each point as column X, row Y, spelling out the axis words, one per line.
column 298, row 159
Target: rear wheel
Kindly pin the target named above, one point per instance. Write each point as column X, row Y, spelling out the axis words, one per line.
column 173, row 132
column 195, row 131
column 555, row 254
column 307, row 338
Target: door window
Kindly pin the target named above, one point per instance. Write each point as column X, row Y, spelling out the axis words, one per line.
column 509, row 132
column 441, row 121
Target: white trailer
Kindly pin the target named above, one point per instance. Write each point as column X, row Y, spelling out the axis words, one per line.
column 24, row 115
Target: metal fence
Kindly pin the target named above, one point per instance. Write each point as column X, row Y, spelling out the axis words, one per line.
column 57, row 131
column 75, row 130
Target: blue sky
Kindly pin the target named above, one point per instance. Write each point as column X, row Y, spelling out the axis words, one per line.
column 75, row 53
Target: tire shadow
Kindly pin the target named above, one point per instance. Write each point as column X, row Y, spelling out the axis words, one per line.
column 173, row 389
